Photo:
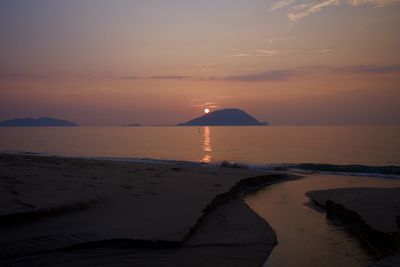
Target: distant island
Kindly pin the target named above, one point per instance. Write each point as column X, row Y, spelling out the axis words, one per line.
column 225, row 117
column 40, row 122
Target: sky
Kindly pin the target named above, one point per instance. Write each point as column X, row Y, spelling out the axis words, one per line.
column 160, row 62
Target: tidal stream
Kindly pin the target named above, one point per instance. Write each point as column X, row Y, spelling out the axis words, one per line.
column 305, row 236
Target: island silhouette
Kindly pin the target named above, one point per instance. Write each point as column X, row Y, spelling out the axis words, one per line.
column 40, row 122
column 225, row 117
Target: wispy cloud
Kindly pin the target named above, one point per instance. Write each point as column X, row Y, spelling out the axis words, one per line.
column 266, row 53
column 280, row 4
column 241, row 55
column 283, row 75
column 170, row 77
column 305, row 10
column 205, row 65
column 373, row 3
column 206, row 104
column 157, row 77
column 278, row 75
column 22, row 75
column 323, row 51
column 271, row 75
column 302, row 10
column 209, row 104
column 198, row 105
column 360, row 69
column 258, row 53
column 370, row 69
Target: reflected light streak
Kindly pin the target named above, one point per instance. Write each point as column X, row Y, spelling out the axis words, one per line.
column 207, row 145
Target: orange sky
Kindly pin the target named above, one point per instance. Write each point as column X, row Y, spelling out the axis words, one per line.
column 159, row 62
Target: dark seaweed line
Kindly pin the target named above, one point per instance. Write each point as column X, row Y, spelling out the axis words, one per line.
column 387, row 170
column 379, row 244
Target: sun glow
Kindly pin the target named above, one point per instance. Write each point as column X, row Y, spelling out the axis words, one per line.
column 206, row 110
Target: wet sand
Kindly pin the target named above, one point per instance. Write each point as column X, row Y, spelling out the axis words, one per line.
column 371, row 214
column 57, row 211
column 66, row 211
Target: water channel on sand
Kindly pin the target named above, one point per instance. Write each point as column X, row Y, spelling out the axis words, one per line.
column 305, row 236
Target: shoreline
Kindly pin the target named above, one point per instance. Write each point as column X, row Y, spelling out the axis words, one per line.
column 377, row 171
column 206, row 212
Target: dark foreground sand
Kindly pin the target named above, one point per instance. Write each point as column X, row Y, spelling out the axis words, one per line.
column 78, row 212
column 58, row 211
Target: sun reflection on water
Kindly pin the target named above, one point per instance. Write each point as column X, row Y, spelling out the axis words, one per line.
column 207, row 149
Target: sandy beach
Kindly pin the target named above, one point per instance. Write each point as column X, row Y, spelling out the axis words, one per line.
column 58, row 211
column 148, row 209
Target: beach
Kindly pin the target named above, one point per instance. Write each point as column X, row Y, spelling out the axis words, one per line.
column 52, row 203
column 64, row 211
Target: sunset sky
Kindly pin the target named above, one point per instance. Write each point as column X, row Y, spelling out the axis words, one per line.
column 159, row 62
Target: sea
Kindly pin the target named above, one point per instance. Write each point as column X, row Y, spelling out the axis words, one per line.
column 252, row 146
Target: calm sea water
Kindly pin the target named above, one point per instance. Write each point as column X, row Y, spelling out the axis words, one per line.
column 256, row 145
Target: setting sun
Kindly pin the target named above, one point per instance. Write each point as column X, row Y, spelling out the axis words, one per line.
column 206, row 110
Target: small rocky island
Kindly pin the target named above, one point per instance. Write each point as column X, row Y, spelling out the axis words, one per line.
column 40, row 122
column 225, row 117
